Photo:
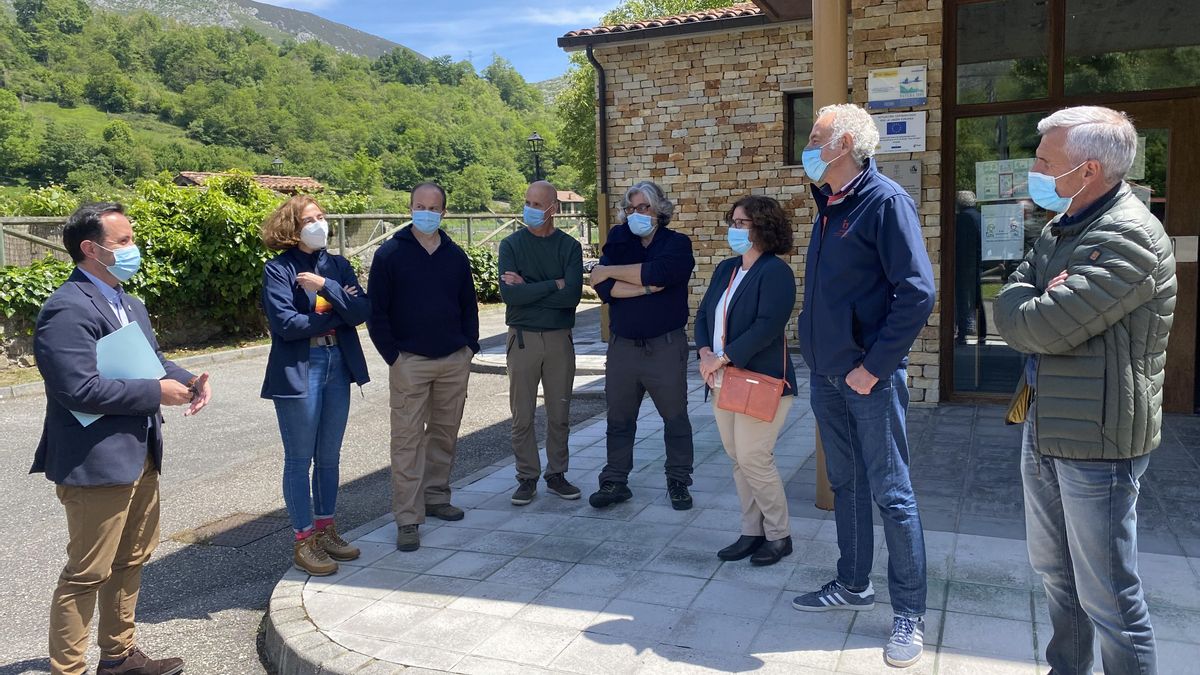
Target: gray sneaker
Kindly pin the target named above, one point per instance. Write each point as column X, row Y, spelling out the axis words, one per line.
column 834, row 595
column 907, row 642
column 525, row 492
column 407, row 538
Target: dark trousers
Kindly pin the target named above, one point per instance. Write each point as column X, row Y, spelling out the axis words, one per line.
column 657, row 366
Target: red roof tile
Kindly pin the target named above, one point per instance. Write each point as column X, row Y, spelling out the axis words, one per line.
column 734, row 12
column 285, row 184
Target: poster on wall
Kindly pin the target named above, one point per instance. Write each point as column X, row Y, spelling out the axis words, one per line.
column 1138, row 170
column 901, row 132
column 1003, row 179
column 905, row 172
column 1003, row 232
column 896, row 87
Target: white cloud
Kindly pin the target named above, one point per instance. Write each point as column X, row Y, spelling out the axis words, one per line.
column 576, row 17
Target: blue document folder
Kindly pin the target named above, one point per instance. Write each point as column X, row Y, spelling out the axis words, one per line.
column 124, row 354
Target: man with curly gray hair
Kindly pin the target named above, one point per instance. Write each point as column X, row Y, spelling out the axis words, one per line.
column 1092, row 305
column 643, row 277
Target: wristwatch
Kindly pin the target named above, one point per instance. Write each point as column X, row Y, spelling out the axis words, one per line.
column 723, row 358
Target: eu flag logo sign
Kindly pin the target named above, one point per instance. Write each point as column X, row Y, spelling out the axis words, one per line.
column 894, row 128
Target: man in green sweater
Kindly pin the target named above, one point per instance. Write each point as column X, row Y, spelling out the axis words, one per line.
column 541, row 281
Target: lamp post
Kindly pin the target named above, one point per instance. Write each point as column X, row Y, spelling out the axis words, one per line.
column 277, row 166
column 535, row 146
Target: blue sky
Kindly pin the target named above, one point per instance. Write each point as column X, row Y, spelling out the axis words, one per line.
column 523, row 31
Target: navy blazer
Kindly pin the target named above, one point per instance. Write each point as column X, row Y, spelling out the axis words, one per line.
column 758, row 316
column 293, row 320
column 112, row 450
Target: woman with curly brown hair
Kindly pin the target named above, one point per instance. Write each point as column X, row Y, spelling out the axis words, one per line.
column 313, row 303
column 741, row 323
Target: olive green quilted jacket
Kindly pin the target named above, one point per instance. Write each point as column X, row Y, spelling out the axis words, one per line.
column 1101, row 336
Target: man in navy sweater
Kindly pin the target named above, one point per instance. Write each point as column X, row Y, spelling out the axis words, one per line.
column 868, row 289
column 425, row 323
column 643, row 277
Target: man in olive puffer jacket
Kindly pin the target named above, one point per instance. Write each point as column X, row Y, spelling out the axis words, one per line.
column 1092, row 305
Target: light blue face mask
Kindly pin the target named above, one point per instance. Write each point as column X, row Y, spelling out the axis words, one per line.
column 534, row 218
column 1043, row 190
column 427, row 222
column 126, row 262
column 640, row 224
column 739, row 240
column 814, row 166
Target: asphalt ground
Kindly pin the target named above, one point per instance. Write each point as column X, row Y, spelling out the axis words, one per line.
column 206, row 602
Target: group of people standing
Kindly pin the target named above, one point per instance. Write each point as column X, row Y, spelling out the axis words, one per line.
column 1092, row 300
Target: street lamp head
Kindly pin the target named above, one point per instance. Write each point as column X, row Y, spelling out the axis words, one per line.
column 535, row 142
column 277, row 164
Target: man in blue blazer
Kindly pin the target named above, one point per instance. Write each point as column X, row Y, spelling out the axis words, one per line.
column 106, row 473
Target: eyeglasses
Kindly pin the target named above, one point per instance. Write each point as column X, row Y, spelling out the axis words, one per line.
column 644, row 209
column 740, row 223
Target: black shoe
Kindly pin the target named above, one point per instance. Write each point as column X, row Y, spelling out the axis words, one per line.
column 772, row 552
column 610, row 492
column 681, row 499
column 526, row 489
column 557, row 483
column 742, row 548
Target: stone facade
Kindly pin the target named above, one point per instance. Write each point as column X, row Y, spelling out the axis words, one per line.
column 704, row 115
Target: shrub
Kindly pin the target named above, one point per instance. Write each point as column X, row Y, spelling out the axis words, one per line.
column 485, row 273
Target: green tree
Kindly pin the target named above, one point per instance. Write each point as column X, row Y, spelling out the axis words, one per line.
column 470, row 190
column 402, row 65
column 361, row 173
column 17, row 144
column 512, row 87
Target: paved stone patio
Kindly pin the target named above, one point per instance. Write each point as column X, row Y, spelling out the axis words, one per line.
column 557, row 586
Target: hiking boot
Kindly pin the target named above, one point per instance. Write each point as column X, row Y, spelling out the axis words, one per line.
column 333, row 544
column 907, row 642
column 407, row 539
column 444, row 511
column 310, row 557
column 834, row 595
column 557, row 484
column 137, row 663
column 526, row 489
column 681, row 499
column 610, row 492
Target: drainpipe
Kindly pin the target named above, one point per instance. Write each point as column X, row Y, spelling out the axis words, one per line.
column 602, row 201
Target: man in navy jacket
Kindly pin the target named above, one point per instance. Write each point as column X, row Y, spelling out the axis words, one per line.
column 868, row 290
column 106, row 473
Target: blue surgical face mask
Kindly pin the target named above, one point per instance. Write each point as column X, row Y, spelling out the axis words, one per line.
column 126, row 262
column 427, row 221
column 814, row 166
column 534, row 218
column 640, row 224
column 1044, row 191
column 739, row 240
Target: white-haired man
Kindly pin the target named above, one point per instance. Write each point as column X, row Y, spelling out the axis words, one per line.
column 643, row 276
column 1092, row 305
column 868, row 289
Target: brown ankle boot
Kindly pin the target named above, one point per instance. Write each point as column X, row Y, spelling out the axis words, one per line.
column 334, row 545
column 137, row 663
column 310, row 557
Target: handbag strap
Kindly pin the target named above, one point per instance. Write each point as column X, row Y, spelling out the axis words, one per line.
column 725, row 321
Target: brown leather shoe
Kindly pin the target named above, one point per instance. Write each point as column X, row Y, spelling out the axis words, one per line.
column 310, row 557
column 137, row 663
column 334, row 545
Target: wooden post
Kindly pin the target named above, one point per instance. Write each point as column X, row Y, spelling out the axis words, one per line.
column 3, row 262
column 342, row 237
column 602, row 217
column 829, row 86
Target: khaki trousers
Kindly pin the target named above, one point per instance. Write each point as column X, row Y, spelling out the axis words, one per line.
column 549, row 358
column 750, row 443
column 427, row 400
column 112, row 531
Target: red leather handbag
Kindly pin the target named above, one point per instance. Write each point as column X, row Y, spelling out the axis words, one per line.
column 745, row 391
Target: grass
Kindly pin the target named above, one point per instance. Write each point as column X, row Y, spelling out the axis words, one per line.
column 92, row 121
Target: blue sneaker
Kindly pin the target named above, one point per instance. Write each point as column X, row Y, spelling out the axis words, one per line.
column 907, row 642
column 834, row 595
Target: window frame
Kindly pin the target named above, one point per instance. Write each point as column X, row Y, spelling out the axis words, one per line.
column 791, row 154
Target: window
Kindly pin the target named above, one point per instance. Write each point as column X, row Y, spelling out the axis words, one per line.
column 799, row 125
column 1006, row 64
column 1116, row 45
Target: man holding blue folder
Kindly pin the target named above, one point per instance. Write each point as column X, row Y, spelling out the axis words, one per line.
column 105, row 468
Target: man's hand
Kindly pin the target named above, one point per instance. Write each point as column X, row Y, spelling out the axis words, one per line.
column 201, row 393
column 599, row 275
column 1057, row 280
column 310, row 282
column 861, row 380
column 561, row 283
column 350, row 290
column 511, row 278
column 174, row 392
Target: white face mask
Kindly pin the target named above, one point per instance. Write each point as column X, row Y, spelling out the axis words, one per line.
column 315, row 234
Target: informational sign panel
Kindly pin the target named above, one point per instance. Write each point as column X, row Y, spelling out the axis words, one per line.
column 896, row 87
column 1138, row 170
column 1004, row 179
column 1003, row 232
column 905, row 172
column 901, row 132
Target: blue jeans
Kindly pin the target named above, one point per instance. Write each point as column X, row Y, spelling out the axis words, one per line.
column 866, row 457
column 312, row 429
column 1081, row 528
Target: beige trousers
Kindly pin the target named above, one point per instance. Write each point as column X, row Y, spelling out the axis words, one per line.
column 111, row 533
column 549, row 358
column 427, row 400
column 750, row 443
